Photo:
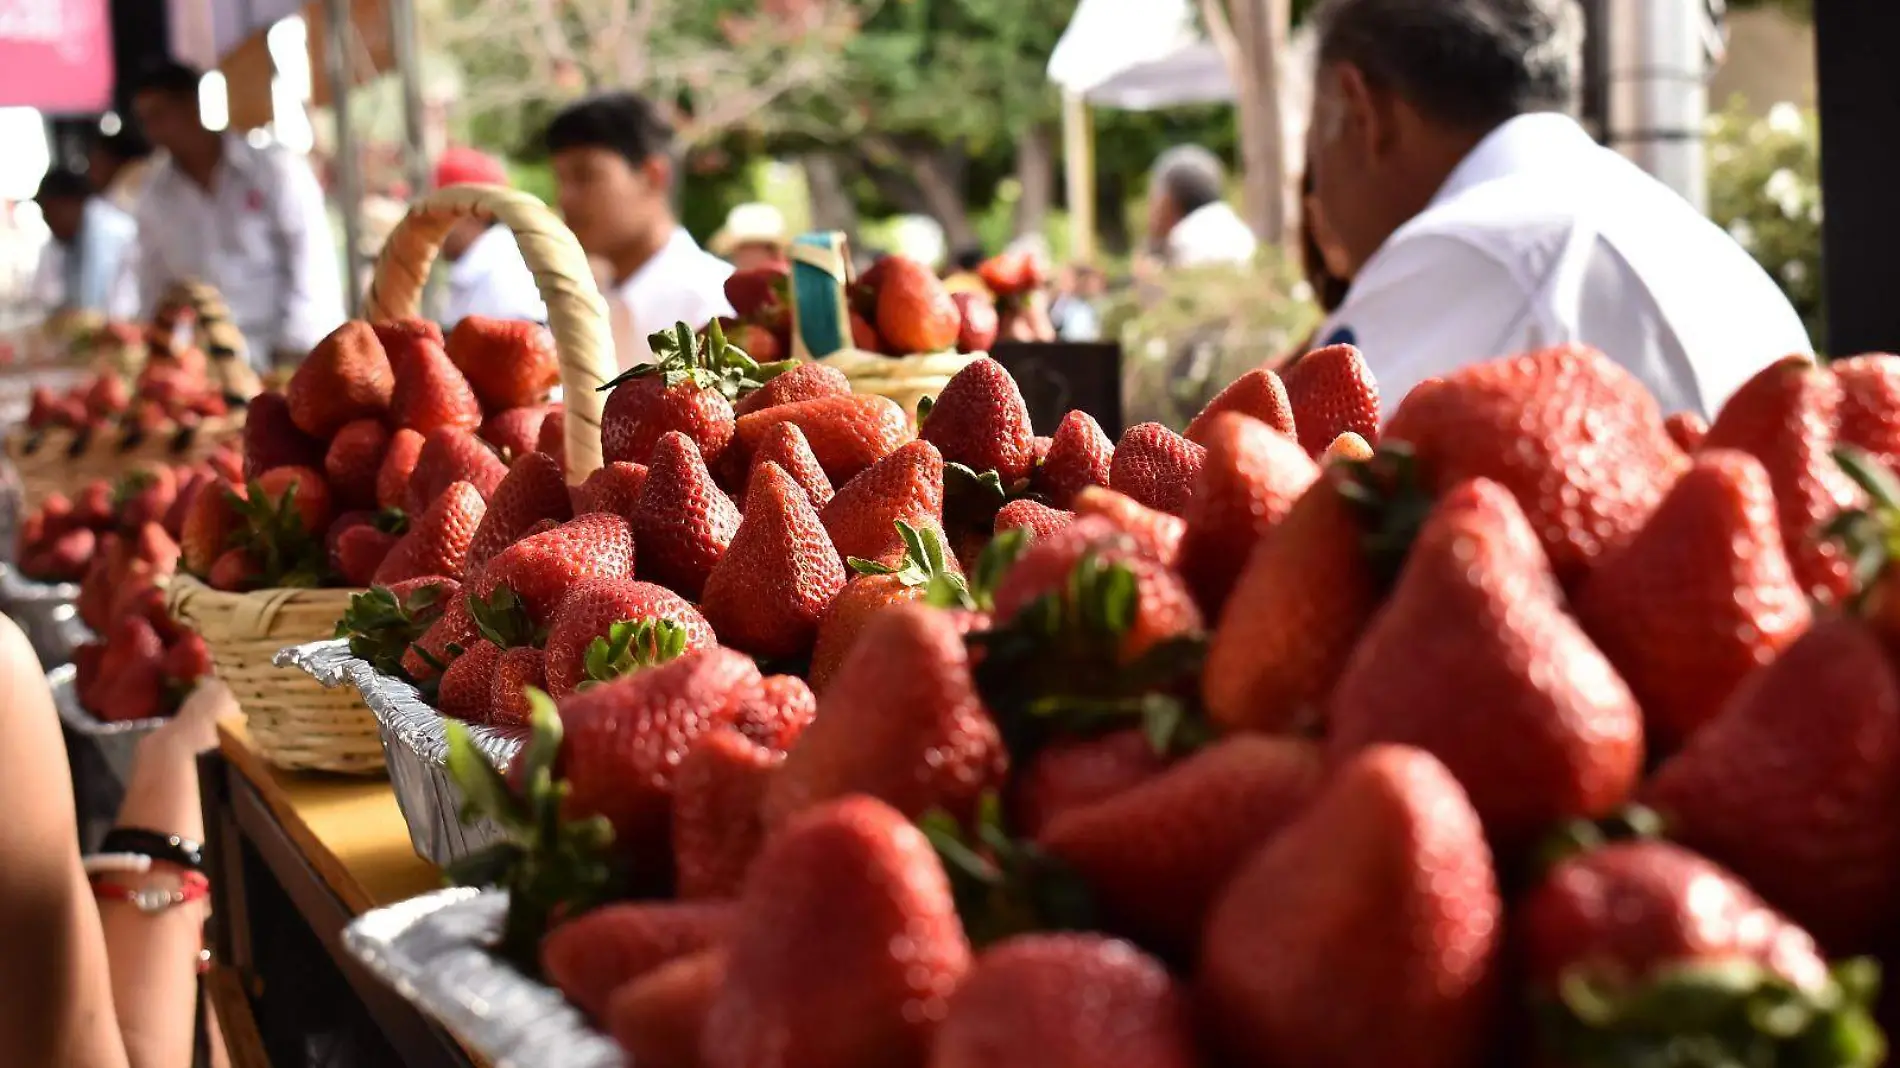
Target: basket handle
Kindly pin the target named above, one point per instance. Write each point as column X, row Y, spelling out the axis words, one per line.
column 215, row 331
column 577, row 314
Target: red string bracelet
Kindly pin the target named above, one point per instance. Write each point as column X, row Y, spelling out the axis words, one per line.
column 192, row 886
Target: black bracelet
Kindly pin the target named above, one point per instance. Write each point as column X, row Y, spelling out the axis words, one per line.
column 170, row 848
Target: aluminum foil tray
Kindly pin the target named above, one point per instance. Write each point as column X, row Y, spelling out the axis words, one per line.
column 415, row 749
column 118, row 743
column 432, row 951
column 46, row 611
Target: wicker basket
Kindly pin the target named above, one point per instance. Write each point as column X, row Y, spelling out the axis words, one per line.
column 904, row 379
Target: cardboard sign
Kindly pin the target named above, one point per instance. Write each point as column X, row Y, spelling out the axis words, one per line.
column 1059, row 376
column 56, row 55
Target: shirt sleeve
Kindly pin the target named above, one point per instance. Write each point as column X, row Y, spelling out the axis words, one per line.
column 1427, row 306
column 150, row 277
column 313, row 291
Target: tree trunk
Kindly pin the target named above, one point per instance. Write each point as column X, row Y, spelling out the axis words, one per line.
column 1252, row 37
column 831, row 205
column 1036, row 174
column 938, row 172
column 1111, row 213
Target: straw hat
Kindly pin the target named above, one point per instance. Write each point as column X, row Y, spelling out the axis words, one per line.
column 750, row 224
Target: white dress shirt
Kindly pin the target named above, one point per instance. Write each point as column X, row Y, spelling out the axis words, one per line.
column 97, row 271
column 260, row 234
column 1212, row 234
column 681, row 283
column 492, row 280
column 1541, row 236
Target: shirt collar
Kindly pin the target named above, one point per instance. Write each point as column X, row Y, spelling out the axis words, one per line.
column 1523, row 143
column 679, row 243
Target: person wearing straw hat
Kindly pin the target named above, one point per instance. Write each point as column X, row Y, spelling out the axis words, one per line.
column 753, row 236
column 487, row 275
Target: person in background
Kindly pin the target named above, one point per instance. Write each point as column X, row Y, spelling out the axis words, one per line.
column 754, row 236
column 487, row 275
column 1074, row 312
column 87, row 266
column 1478, row 220
column 613, row 168
column 1323, row 265
column 1189, row 224
column 250, row 221
column 117, row 165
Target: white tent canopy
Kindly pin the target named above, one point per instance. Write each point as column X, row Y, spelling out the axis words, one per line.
column 205, row 31
column 1139, row 55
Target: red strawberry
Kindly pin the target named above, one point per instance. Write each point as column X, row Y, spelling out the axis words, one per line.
column 777, row 576
column 589, row 611
column 1574, row 436
column 785, row 446
column 864, row 335
column 1699, row 599
column 451, row 455
column 1258, row 393
column 130, row 682
column 1157, row 534
column 399, row 464
column 236, row 571
column 683, row 521
column 906, row 487
column 354, row 461
column 532, row 490
column 439, row 542
column 1074, row 773
column 508, row 363
column 1332, row 392
column 591, row 956
column 716, row 827
column 1038, row 519
column 855, row 885
column 625, row 739
column 467, row 686
column 347, row 376
column 1039, row 451
column 398, row 333
column 553, row 439
column 188, row 660
column 876, row 584
column 65, row 559
column 981, row 422
column 144, row 494
column 847, row 433
column 1870, row 405
column 454, row 627
column 1156, row 855
column 900, row 720
column 1163, row 609
column 1251, row 478
column 1786, row 417
column 93, row 506
column 541, row 568
column 613, row 487
column 777, row 713
column 210, row 525
column 1079, row 455
column 430, row 394
column 807, row 381
column 760, row 294
column 1067, row 1001
column 360, row 551
column 1012, row 274
column 514, row 432
column 659, row 1018
column 306, row 491
column 686, row 390
column 1475, row 659
column 1383, row 887
column 914, row 310
column 1156, row 467
column 1687, row 429
column 518, row 669
column 1791, row 786
column 976, row 322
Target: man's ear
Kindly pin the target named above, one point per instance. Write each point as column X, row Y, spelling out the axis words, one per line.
column 657, row 169
column 1365, row 111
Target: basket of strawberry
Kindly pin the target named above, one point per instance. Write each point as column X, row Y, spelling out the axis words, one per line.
column 1536, row 730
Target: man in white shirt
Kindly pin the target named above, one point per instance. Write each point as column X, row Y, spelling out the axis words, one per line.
column 487, row 275
column 1188, row 221
column 248, row 220
column 87, row 266
column 613, row 166
column 1478, row 220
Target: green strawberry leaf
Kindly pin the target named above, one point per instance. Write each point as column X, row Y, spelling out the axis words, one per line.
column 925, row 405
column 503, row 619
column 993, row 563
column 1004, row 885
column 971, row 499
column 631, row 645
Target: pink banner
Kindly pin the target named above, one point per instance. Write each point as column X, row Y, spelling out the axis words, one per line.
column 55, row 55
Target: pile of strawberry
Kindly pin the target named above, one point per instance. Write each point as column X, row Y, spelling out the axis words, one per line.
column 60, row 539
column 1018, row 280
column 377, row 460
column 172, row 392
column 898, row 308
column 1527, row 737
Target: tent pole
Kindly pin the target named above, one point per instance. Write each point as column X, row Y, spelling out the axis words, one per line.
column 402, row 37
column 348, row 181
column 1078, row 170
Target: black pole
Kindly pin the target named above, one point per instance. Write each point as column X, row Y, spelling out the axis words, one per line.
column 141, row 36
column 1860, row 111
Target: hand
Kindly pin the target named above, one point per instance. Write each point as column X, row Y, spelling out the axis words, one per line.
column 194, row 729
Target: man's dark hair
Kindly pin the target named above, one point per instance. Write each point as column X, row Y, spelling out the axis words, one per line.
column 1190, row 175
column 968, row 258
column 63, row 183
column 125, row 145
column 1466, row 63
column 169, row 77
column 618, row 122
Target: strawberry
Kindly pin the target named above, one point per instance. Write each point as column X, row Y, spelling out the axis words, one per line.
column 451, row 455
column 65, row 559
column 381, row 623
column 540, row 568
column 613, row 487
column 398, row 466
column 1612, row 936
column 864, row 335
column 981, row 421
column 1474, row 657
column 1156, row 534
column 683, row 521
column 1251, row 478
column 590, row 610
column 360, row 551
column 1074, row 773
column 106, row 396
column 236, row 571
column 467, row 687
column 660, row 1018
column 1383, row 887
column 1067, row 1001
column 1079, row 455
column 1870, row 405
column 1786, row 417
column 1036, row 519
column 914, row 311
column 188, row 660
column 900, row 720
column 1331, row 392
column 1039, row 451
column 807, row 381
column 130, row 679
column 1156, row 854
column 1798, row 805
column 1574, row 436
column 227, row 462
column 855, row 885
column 398, row 333
column 591, row 956
column 508, row 363
column 532, row 490
column 1013, row 273
column 1687, row 430
column 438, row 543
column 904, row 487
column 625, row 740
column 847, row 433
column 1701, row 597
column 354, row 461
column 716, row 827
column 143, row 495
column 455, row 627
column 93, row 506
column 976, row 322
column 777, row 713
column 1346, row 448
column 553, row 439
column 515, row 671
column 303, row 488
column 431, row 394
column 785, row 446
column 1258, row 393
column 875, row 585
column 761, row 294
column 1156, row 467
column 1162, row 607
column 347, row 376
column 213, row 521
column 514, row 432
column 778, row 575
column 862, row 294
column 688, row 389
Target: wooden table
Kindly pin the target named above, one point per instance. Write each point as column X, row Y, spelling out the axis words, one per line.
column 293, row 858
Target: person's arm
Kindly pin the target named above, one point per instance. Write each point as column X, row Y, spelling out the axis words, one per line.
column 313, row 289
column 57, row 1007
column 152, row 279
